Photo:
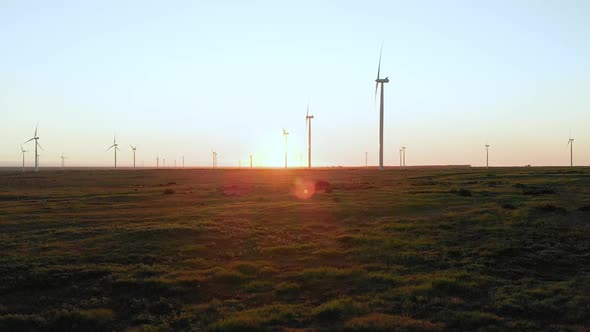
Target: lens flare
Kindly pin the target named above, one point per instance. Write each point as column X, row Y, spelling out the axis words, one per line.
column 304, row 189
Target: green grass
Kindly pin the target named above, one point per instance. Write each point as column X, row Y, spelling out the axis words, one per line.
column 236, row 250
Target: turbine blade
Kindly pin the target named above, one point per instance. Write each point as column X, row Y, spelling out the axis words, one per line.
column 39, row 145
column 36, row 126
column 29, row 140
column 110, row 147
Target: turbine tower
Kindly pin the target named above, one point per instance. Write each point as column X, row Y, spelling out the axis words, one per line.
column 286, row 134
column 487, row 155
column 22, row 151
column 182, row 161
column 62, row 160
column 308, row 119
column 400, row 157
column 214, row 156
column 366, row 159
column 404, row 154
column 36, row 139
column 133, row 148
column 116, row 147
column 250, row 160
column 382, row 81
column 157, row 161
column 570, row 142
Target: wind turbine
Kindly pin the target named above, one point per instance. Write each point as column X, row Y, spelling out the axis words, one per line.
column 400, row 157
column 182, row 161
column 308, row 119
column 116, row 147
column 22, row 151
column 404, row 154
column 250, row 160
column 382, row 81
column 487, row 155
column 62, row 160
column 286, row 134
column 214, row 156
column 570, row 142
column 36, row 138
column 133, row 148
column 157, row 161
column 366, row 159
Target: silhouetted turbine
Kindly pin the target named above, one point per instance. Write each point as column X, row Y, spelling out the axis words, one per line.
column 36, row 139
column 382, row 81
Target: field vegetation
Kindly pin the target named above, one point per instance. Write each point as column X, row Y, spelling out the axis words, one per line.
column 333, row 249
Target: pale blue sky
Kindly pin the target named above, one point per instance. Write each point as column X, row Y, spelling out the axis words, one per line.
column 182, row 77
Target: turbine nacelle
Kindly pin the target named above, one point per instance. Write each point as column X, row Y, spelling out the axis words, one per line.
column 382, row 80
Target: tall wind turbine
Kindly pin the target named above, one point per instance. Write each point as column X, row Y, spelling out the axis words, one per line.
column 487, row 155
column 366, row 159
column 286, row 134
column 308, row 119
column 157, row 161
column 62, row 159
column 36, row 139
column 182, row 161
column 404, row 154
column 400, row 157
column 250, row 160
column 382, row 81
column 116, row 147
column 570, row 142
column 214, row 156
column 133, row 148
column 22, row 151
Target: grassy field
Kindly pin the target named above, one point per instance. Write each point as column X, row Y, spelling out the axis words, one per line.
column 342, row 249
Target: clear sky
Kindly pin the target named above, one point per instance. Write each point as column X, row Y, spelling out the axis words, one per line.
column 183, row 77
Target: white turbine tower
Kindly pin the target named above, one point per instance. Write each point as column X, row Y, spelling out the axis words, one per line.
column 308, row 119
column 286, row 134
column 36, row 139
column 382, row 81
column 133, row 148
column 570, row 142
column 157, row 161
column 116, row 147
column 22, row 152
column 404, row 155
column 487, row 155
column 62, row 159
column 214, row 156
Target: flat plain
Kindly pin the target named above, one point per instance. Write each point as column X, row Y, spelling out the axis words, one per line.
column 417, row 249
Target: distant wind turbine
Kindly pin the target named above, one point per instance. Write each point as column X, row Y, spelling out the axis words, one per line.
column 62, row 160
column 286, row 134
column 36, row 139
column 366, row 159
column 133, row 148
column 157, row 161
column 116, row 147
column 308, row 119
column 400, row 157
column 182, row 161
column 487, row 155
column 570, row 142
column 214, row 156
column 382, row 81
column 404, row 155
column 22, row 151
column 250, row 160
